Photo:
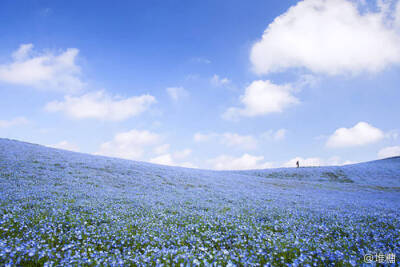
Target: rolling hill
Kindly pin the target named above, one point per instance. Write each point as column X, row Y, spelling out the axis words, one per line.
column 61, row 208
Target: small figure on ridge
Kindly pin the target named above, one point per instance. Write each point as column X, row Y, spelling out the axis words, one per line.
column 298, row 164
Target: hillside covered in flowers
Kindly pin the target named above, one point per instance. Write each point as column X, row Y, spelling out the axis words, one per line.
column 62, row 208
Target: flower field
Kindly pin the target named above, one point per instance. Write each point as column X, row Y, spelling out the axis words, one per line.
column 60, row 208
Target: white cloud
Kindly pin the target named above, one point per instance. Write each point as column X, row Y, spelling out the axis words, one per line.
column 66, row 146
column 245, row 162
column 177, row 93
column 22, row 52
column 387, row 152
column 144, row 146
column 263, row 97
column 129, row 145
column 330, row 37
column 228, row 139
column 13, row 122
column 274, row 135
column 99, row 105
column 360, row 134
column 47, row 70
column 217, row 81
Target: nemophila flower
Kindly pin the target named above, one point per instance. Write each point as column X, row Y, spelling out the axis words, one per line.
column 111, row 224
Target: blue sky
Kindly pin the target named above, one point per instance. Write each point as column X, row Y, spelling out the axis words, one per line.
column 206, row 84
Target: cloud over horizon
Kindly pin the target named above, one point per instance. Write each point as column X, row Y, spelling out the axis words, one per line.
column 144, row 145
column 130, row 144
column 65, row 145
column 174, row 159
column 387, row 152
column 244, row 162
column 307, row 79
column 360, row 134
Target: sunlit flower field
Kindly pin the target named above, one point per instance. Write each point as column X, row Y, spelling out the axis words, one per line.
column 61, row 208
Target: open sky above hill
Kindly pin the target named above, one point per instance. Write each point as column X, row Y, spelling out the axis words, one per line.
column 208, row 84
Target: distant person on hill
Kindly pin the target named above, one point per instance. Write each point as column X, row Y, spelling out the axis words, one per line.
column 298, row 164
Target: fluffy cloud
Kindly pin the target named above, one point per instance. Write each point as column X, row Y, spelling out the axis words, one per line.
column 274, row 135
column 66, row 146
column 218, row 81
column 228, row 139
column 45, row 70
column 177, row 93
column 360, row 134
column 330, row 37
column 145, row 146
column 129, row 145
column 245, row 162
column 262, row 97
column 99, row 105
column 13, row 122
column 387, row 152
